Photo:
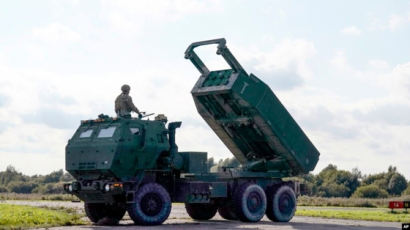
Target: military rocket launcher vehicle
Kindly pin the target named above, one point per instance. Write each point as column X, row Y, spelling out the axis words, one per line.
column 133, row 164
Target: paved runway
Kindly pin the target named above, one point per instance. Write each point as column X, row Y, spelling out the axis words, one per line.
column 179, row 219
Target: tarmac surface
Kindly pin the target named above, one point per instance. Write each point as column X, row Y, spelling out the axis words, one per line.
column 179, row 219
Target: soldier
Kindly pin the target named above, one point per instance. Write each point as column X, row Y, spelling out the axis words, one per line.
column 123, row 103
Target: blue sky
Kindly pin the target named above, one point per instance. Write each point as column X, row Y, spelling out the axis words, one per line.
column 341, row 68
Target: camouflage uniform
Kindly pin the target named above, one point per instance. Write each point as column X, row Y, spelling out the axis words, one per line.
column 123, row 103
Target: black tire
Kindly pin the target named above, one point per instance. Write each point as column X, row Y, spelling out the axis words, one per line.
column 201, row 211
column 94, row 212
column 97, row 211
column 250, row 202
column 151, row 206
column 116, row 212
column 281, row 204
column 227, row 212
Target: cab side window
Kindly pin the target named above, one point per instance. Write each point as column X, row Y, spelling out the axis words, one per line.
column 137, row 135
column 135, row 131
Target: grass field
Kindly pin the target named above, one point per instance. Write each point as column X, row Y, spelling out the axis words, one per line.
column 372, row 214
column 21, row 217
column 348, row 202
column 36, row 196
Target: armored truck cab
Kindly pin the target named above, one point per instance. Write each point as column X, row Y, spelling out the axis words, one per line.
column 115, row 148
column 133, row 164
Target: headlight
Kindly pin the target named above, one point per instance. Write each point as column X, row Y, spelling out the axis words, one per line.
column 107, row 187
column 70, row 188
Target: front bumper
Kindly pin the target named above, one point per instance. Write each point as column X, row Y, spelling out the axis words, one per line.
column 96, row 191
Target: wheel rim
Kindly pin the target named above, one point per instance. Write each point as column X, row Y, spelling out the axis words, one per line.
column 151, row 204
column 286, row 204
column 254, row 202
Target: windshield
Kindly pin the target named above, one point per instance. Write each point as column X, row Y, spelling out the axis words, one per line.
column 107, row 132
column 86, row 133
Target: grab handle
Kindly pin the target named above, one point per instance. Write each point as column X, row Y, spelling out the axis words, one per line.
column 222, row 50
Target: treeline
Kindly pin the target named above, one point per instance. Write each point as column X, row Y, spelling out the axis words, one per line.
column 13, row 181
column 332, row 182
column 228, row 163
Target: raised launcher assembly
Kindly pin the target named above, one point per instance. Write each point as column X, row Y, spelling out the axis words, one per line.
column 249, row 119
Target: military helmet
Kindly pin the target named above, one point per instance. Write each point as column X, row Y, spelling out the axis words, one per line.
column 125, row 88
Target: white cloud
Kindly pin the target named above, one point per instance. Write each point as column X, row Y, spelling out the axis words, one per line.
column 132, row 16
column 282, row 14
column 50, row 105
column 396, row 21
column 339, row 61
column 379, row 64
column 347, row 109
column 371, row 72
column 393, row 22
column 55, row 32
column 70, row 96
column 399, row 82
column 286, row 53
column 32, row 163
column 347, row 134
column 286, row 63
column 348, row 127
column 351, row 30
